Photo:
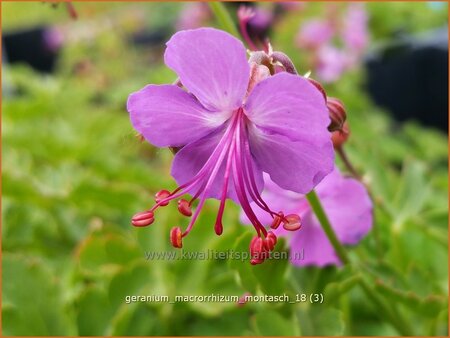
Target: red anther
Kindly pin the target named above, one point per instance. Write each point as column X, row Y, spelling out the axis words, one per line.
column 256, row 245
column 318, row 86
column 337, row 114
column 176, row 237
column 184, row 208
column 160, row 195
column 339, row 137
column 270, row 241
column 255, row 261
column 143, row 219
column 218, row 228
column 277, row 220
column 292, row 222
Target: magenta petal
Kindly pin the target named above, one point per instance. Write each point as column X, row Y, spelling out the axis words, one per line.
column 294, row 165
column 168, row 116
column 310, row 246
column 348, row 206
column 212, row 65
column 289, row 105
column 191, row 158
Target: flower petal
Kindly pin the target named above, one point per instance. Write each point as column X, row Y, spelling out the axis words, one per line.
column 168, row 116
column 289, row 105
column 348, row 206
column 191, row 158
column 212, row 65
column 294, row 165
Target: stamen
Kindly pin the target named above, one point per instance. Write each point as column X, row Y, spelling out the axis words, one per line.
column 176, row 238
column 184, row 208
column 270, row 241
column 143, row 219
column 277, row 220
column 160, row 196
column 292, row 222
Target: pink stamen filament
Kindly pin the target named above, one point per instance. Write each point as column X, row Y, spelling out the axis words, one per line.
column 234, row 147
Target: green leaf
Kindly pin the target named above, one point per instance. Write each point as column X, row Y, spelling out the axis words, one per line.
column 243, row 268
column 32, row 301
column 271, row 323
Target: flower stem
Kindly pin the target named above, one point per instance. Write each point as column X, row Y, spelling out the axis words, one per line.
column 223, row 17
column 316, row 206
column 385, row 310
column 347, row 163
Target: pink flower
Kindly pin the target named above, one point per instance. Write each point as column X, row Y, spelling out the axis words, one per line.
column 314, row 33
column 331, row 63
column 354, row 32
column 336, row 42
column 193, row 15
column 228, row 136
column 348, row 207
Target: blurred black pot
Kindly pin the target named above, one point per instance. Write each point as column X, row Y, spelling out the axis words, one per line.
column 409, row 77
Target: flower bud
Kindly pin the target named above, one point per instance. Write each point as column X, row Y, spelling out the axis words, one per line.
column 339, row 137
column 160, row 195
column 176, row 237
column 184, row 208
column 292, row 222
column 143, row 219
column 337, row 114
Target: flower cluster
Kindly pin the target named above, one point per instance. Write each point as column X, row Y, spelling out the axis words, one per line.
column 349, row 28
column 232, row 120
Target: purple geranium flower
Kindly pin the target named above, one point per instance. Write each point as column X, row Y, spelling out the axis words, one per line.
column 229, row 136
column 348, row 207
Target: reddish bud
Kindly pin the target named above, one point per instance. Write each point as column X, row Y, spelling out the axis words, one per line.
column 292, row 222
column 143, row 219
column 184, row 208
column 176, row 237
column 339, row 137
column 337, row 114
column 318, row 86
column 160, row 195
column 277, row 220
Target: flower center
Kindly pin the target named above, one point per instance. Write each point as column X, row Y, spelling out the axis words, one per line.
column 233, row 151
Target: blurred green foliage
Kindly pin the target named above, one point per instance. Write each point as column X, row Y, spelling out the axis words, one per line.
column 74, row 172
